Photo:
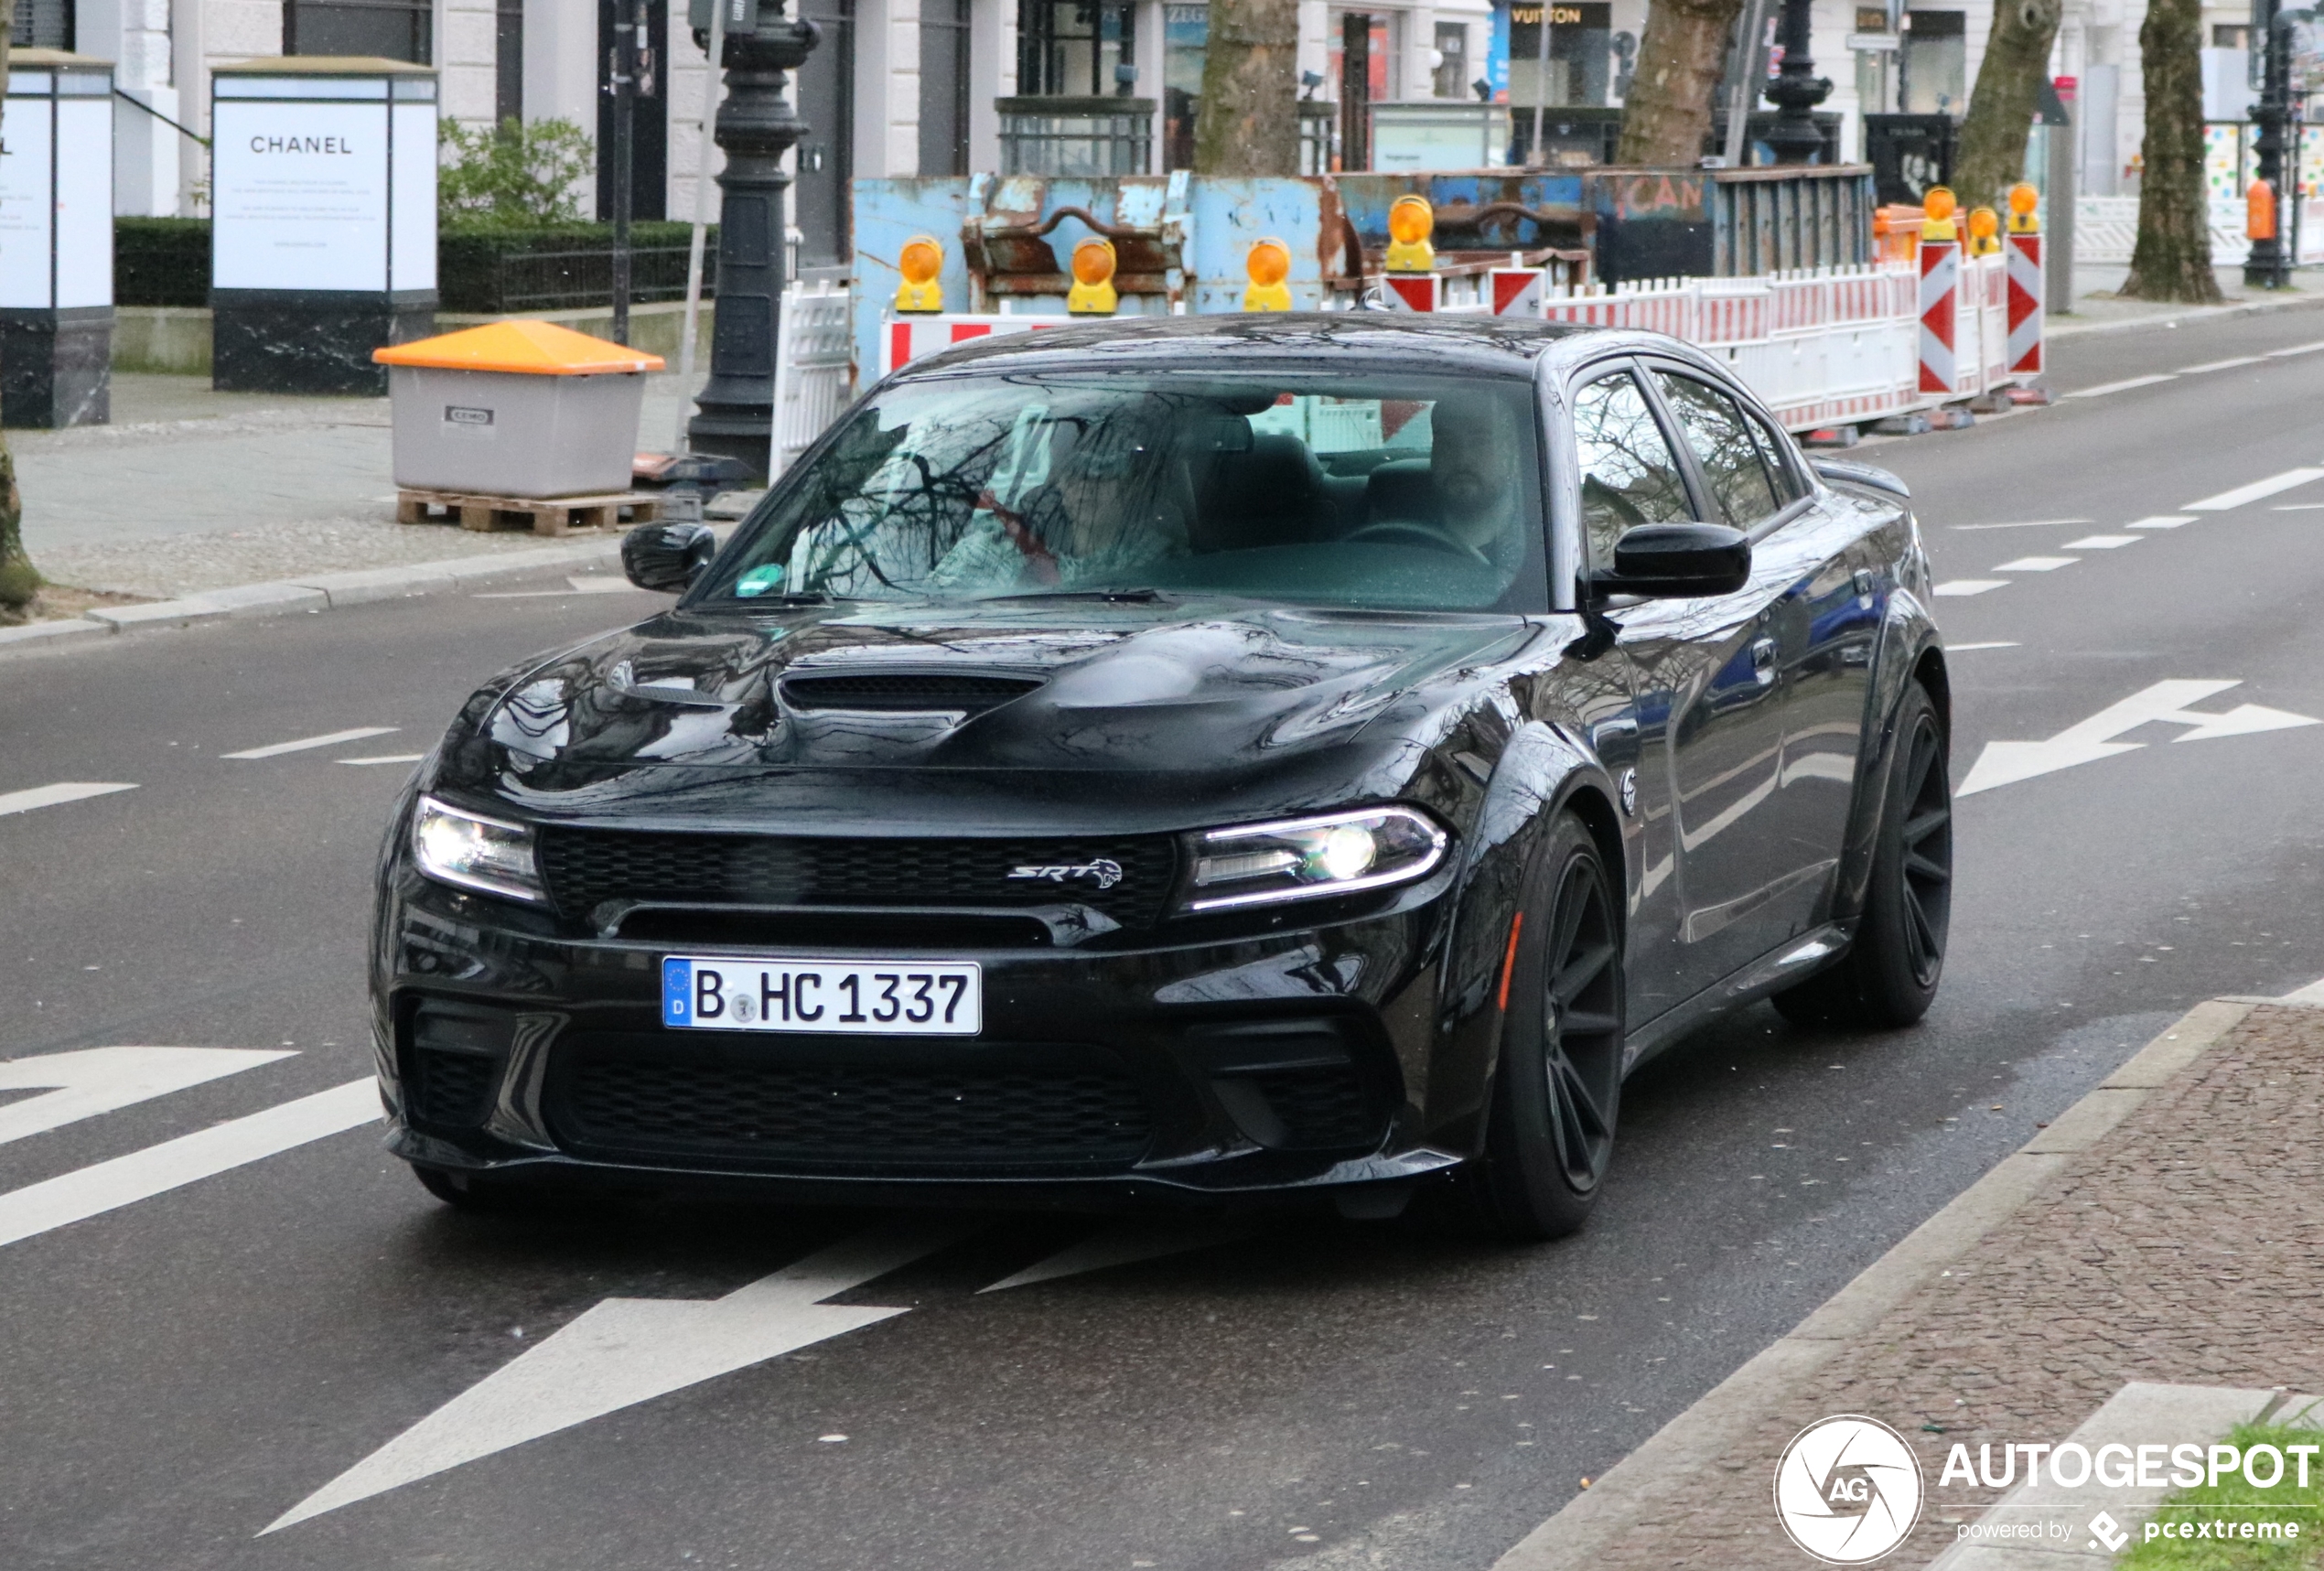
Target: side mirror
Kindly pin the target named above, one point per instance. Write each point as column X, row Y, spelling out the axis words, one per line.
column 1675, row 561
column 667, row 557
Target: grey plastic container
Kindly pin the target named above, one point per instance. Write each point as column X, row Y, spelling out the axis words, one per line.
column 510, row 434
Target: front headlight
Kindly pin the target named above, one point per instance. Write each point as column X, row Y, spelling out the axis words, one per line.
column 1303, row 858
column 474, row 852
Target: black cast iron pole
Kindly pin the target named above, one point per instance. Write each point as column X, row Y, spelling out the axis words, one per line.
column 1795, row 91
column 2269, row 265
column 621, row 71
column 756, row 127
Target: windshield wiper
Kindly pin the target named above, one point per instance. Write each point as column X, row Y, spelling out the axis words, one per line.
column 804, row 598
column 1127, row 597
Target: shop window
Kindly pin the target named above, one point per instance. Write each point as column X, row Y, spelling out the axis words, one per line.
column 1936, row 63
column 943, row 87
column 1452, row 74
column 1075, row 48
column 1186, row 38
column 396, row 29
column 1580, row 55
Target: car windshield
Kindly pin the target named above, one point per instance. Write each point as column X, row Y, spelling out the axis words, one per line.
column 1366, row 491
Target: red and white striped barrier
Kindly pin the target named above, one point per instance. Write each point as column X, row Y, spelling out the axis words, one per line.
column 2026, row 291
column 907, row 338
column 1940, row 319
column 1518, row 291
column 1412, row 291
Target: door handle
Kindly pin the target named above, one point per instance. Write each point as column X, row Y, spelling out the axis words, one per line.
column 1763, row 661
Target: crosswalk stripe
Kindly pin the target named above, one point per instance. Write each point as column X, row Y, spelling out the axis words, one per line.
column 62, row 791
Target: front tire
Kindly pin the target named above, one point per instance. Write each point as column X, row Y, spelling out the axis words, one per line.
column 1890, row 974
column 1550, row 1134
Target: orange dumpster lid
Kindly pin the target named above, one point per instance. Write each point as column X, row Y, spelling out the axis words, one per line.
column 535, row 348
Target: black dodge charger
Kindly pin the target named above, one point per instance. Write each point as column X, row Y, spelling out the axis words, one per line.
column 1189, row 759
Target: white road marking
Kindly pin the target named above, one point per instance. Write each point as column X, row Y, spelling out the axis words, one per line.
column 2036, row 563
column 2221, row 365
column 1959, row 648
column 387, row 758
column 1954, row 588
column 583, row 584
column 2101, row 542
column 2297, row 349
column 2255, row 491
column 2161, row 520
column 2028, row 523
column 141, row 1175
column 2006, row 763
column 2297, row 506
column 90, row 1080
column 623, row 1351
column 330, row 739
column 51, row 795
column 1122, row 1246
column 2103, row 390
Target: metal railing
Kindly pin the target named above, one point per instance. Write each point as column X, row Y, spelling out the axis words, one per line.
column 576, row 280
column 1076, row 136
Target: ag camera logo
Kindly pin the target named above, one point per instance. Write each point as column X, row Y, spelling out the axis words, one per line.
column 1848, row 1490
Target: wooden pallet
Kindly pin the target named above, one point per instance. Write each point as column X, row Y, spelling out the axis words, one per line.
column 542, row 515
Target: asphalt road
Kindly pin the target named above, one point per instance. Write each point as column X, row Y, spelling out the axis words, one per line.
column 182, row 1370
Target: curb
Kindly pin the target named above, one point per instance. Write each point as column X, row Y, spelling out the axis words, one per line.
column 2191, row 314
column 1657, row 1479
column 313, row 592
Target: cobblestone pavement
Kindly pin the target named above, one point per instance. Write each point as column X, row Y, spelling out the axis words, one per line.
column 190, row 489
column 2187, row 1247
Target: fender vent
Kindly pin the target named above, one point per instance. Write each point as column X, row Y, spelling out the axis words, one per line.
column 899, row 692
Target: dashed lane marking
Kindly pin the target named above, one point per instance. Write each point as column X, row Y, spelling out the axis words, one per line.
column 2036, row 563
column 2101, row 542
column 329, row 739
column 52, row 795
column 2105, row 388
column 2028, row 523
column 2256, row 491
column 90, row 1080
column 1964, row 648
column 387, row 758
column 1952, row 588
column 2222, row 364
column 2161, row 520
column 2297, row 506
column 2297, row 349
column 141, row 1175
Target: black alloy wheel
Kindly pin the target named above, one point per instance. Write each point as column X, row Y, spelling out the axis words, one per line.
column 1550, row 1135
column 1890, row 974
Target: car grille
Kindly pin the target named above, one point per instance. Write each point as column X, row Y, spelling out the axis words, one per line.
column 585, row 866
column 451, row 1089
column 1322, row 1107
column 904, row 693
column 1025, row 1109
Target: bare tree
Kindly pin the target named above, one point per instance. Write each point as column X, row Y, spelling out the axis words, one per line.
column 2007, row 98
column 19, row 580
column 2173, row 258
column 1680, row 61
column 1248, row 122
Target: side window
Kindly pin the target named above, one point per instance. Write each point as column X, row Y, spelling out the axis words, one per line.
column 1725, row 445
column 1628, row 475
column 1788, row 486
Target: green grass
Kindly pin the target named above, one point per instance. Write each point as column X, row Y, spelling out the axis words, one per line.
column 2205, row 1502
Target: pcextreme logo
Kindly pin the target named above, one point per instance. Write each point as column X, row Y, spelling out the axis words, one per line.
column 1848, row 1490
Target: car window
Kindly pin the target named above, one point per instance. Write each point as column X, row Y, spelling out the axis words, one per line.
column 1366, row 489
column 1790, row 487
column 1628, row 475
column 1724, row 447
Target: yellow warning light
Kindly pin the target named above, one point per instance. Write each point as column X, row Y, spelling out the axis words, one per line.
column 1985, row 232
column 1092, row 293
column 920, row 262
column 1939, row 204
column 1268, row 262
column 2023, row 200
column 1411, row 221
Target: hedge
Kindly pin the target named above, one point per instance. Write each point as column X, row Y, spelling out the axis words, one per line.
column 165, row 261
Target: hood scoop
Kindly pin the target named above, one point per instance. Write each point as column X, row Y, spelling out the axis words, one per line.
column 902, row 692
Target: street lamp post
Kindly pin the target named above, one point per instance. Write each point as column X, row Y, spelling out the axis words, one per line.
column 2269, row 265
column 1796, row 91
column 756, row 127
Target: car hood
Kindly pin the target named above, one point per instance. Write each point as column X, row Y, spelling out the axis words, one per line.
column 987, row 716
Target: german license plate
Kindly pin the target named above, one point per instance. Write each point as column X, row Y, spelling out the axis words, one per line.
column 867, row 998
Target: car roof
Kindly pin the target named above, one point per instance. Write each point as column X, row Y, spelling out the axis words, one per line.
column 1462, row 344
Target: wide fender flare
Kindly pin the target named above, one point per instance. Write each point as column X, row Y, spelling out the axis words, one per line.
column 1540, row 771
column 1908, row 639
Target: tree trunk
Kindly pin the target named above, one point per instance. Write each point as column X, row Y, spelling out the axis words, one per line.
column 1680, row 62
column 2173, row 258
column 1248, row 122
column 19, row 581
column 2007, row 98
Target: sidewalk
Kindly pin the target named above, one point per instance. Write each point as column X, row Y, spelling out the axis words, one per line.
column 2098, row 308
column 192, row 489
column 2168, row 1228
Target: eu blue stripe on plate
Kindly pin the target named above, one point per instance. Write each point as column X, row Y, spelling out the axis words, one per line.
column 677, row 992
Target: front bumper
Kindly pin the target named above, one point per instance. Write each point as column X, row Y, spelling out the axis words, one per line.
column 1278, row 1060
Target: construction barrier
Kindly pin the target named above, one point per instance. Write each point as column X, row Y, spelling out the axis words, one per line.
column 812, row 369
column 907, row 338
column 2025, row 304
column 1939, row 299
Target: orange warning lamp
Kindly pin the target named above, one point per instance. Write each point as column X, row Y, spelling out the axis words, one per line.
column 1268, row 263
column 1092, row 293
column 1411, row 221
column 2259, row 211
column 1985, row 232
column 2023, row 201
column 1939, row 204
column 920, row 262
